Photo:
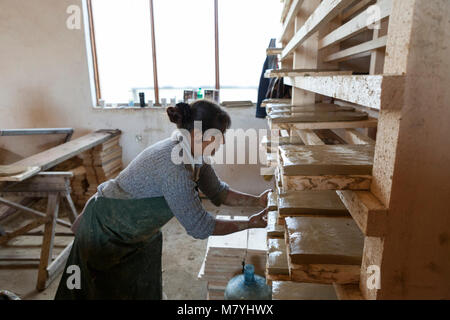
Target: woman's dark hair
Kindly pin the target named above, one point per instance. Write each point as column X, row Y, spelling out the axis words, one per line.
column 209, row 113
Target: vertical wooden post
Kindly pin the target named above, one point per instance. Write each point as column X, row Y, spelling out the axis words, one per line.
column 411, row 176
column 306, row 56
column 47, row 242
column 155, row 65
column 98, row 91
column 216, row 38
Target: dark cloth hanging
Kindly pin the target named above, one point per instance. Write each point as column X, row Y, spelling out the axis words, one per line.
column 270, row 63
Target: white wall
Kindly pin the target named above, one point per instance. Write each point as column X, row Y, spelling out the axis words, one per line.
column 44, row 82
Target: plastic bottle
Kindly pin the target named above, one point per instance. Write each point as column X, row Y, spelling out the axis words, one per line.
column 200, row 94
column 248, row 286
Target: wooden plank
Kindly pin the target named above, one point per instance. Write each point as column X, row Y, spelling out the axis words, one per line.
column 288, row 290
column 356, row 51
column 371, row 123
column 358, row 7
column 274, row 51
column 311, row 203
column 288, row 23
column 326, row 160
column 318, row 107
column 318, row 116
column 54, row 156
column 309, row 138
column 325, row 12
column 281, row 73
column 57, row 266
column 17, row 174
column 48, row 239
column 286, row 8
column 367, row 211
column 348, row 292
column 275, row 101
column 313, row 240
column 353, row 136
column 356, row 25
column 361, row 90
column 21, row 231
column 329, row 137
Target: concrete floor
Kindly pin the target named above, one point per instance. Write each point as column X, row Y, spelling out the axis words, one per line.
column 182, row 259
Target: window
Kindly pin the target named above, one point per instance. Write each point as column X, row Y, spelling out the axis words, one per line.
column 124, row 51
column 185, row 46
column 245, row 30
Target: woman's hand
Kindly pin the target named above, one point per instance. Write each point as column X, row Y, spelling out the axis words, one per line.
column 258, row 221
column 264, row 198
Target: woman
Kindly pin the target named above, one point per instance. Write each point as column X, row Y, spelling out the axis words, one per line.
column 118, row 243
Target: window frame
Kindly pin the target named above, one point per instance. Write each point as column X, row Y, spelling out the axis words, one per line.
column 98, row 93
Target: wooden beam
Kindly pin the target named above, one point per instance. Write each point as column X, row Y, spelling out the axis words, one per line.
column 353, row 136
column 54, row 156
column 367, row 211
column 293, row 11
column 281, row 73
column 356, row 25
column 309, row 138
column 371, row 123
column 361, row 90
column 356, row 51
column 324, row 13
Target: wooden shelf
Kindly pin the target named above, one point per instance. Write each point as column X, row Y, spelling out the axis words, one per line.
column 367, row 211
column 363, row 90
column 281, row 73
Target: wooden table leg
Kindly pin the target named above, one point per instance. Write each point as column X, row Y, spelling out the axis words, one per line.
column 47, row 242
column 73, row 214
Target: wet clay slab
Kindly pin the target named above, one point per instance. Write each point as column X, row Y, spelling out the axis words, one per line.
column 287, row 290
column 277, row 262
column 274, row 230
column 327, row 160
column 332, row 241
column 311, row 203
column 318, row 116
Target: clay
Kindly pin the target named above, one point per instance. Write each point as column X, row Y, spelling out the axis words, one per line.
column 324, row 241
column 327, row 160
column 311, row 203
column 287, row 290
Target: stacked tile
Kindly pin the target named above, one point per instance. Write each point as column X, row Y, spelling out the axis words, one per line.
column 102, row 163
column 225, row 255
column 79, row 185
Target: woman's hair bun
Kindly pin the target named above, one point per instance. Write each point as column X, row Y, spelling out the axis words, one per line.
column 180, row 115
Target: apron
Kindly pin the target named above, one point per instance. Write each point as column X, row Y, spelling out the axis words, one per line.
column 118, row 249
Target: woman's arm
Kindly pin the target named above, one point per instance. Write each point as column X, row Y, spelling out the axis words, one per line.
column 225, row 227
column 239, row 199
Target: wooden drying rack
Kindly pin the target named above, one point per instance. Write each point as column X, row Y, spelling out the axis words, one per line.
column 393, row 76
column 54, row 186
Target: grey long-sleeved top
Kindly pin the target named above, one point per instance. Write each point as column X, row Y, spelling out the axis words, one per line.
column 153, row 174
